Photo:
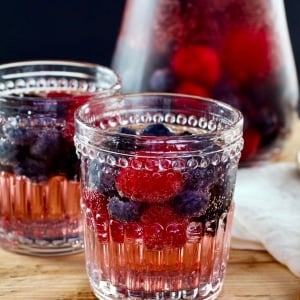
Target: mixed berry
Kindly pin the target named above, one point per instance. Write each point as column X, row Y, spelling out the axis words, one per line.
column 149, row 199
column 37, row 140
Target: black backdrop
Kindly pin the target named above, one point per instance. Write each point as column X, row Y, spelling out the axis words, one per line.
column 83, row 30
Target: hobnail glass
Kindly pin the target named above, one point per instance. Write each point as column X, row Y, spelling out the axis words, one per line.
column 39, row 169
column 158, row 176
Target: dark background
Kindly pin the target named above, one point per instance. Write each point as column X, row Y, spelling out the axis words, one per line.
column 84, row 30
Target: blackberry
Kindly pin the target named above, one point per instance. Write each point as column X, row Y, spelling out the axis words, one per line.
column 220, row 197
column 190, row 202
column 124, row 210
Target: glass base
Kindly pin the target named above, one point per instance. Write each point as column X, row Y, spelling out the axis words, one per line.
column 107, row 291
column 17, row 242
column 128, row 270
column 46, row 248
column 41, row 238
column 40, row 218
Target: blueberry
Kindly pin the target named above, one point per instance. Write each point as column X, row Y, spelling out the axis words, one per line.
column 102, row 178
column 52, row 108
column 66, row 162
column 157, row 129
column 124, row 141
column 6, row 168
column 190, row 202
column 200, row 178
column 124, row 210
column 126, row 130
column 162, row 80
column 47, row 146
column 56, row 153
column 185, row 133
column 8, row 151
column 33, row 169
column 19, row 133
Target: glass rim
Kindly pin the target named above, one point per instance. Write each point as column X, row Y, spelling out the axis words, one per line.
column 109, row 75
column 236, row 126
column 62, row 62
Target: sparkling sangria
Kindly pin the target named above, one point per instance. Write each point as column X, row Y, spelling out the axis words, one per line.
column 158, row 179
column 236, row 51
column 39, row 169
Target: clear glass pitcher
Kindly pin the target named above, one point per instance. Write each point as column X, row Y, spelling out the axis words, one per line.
column 237, row 51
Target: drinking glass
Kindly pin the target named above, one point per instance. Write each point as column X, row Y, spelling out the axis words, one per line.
column 158, row 176
column 39, row 169
column 236, row 51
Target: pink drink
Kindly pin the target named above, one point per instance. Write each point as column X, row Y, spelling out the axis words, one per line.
column 39, row 168
column 157, row 194
column 236, row 51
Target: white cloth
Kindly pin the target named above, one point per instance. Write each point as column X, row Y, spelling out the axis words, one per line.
column 267, row 212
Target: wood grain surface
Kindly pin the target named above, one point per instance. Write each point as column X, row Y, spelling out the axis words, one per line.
column 251, row 275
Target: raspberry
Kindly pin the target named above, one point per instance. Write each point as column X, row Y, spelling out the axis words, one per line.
column 154, row 236
column 116, row 230
column 165, row 147
column 175, row 235
column 247, row 54
column 124, row 210
column 134, row 230
column 69, row 108
column 163, row 227
column 96, row 202
column 80, row 98
column 59, row 95
column 162, row 214
column 102, row 229
column 191, row 88
column 150, row 184
column 185, row 104
column 252, row 140
column 197, row 63
column 68, row 131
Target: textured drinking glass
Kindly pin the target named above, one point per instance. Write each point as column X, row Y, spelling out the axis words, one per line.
column 39, row 169
column 236, row 51
column 158, row 175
